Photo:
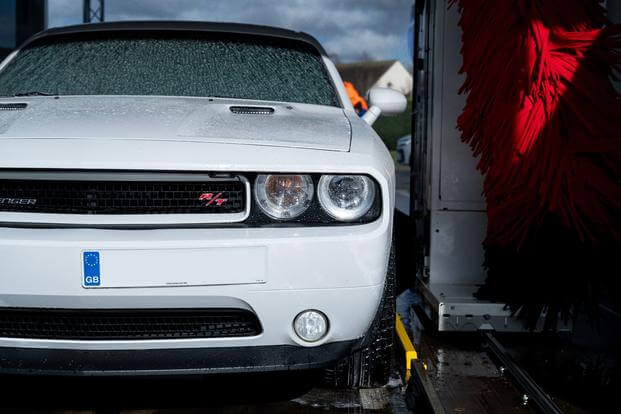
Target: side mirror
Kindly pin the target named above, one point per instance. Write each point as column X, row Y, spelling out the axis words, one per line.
column 384, row 101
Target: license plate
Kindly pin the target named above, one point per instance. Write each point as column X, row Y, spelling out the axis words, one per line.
column 174, row 267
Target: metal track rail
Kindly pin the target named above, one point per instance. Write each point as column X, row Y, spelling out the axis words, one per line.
column 532, row 391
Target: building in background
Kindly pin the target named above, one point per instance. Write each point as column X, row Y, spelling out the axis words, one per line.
column 386, row 74
column 20, row 19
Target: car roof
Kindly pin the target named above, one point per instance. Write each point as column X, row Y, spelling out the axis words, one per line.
column 180, row 26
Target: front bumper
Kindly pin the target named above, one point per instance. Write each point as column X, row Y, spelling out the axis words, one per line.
column 169, row 361
column 338, row 270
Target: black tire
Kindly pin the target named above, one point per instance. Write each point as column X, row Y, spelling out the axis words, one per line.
column 370, row 365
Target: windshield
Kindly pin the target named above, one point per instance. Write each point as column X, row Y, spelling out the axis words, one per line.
column 198, row 64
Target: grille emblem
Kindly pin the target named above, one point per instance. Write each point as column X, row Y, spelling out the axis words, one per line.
column 210, row 198
column 19, row 201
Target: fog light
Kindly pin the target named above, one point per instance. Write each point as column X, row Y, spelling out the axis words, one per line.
column 311, row 325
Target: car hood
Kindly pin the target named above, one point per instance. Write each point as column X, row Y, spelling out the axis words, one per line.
column 208, row 120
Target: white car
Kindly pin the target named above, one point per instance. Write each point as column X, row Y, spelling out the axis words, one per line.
column 182, row 198
column 404, row 149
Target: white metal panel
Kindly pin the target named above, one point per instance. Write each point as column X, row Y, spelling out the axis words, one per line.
column 456, row 250
column 460, row 182
column 458, row 219
column 454, row 308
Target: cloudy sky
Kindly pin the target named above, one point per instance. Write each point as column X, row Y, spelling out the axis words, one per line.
column 352, row 30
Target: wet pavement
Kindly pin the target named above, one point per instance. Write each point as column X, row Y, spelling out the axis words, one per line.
column 467, row 381
column 580, row 370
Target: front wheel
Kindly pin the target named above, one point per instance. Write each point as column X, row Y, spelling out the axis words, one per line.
column 370, row 365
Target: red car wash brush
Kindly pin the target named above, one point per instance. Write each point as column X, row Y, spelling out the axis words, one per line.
column 544, row 118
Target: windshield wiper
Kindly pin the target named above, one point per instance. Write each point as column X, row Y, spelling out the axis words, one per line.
column 33, row 93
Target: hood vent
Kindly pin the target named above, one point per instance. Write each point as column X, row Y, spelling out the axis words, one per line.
column 13, row 106
column 252, row 110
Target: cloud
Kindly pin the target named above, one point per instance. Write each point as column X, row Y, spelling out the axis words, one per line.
column 348, row 29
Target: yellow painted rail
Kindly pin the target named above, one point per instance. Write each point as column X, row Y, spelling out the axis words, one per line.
column 408, row 347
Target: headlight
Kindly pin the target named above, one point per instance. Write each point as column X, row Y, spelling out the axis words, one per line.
column 346, row 197
column 283, row 196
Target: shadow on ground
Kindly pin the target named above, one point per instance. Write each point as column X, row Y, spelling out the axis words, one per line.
column 230, row 393
column 292, row 392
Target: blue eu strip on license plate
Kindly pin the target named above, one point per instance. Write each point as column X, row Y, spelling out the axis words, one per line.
column 92, row 268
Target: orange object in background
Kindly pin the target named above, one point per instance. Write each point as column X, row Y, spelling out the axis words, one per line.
column 356, row 100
